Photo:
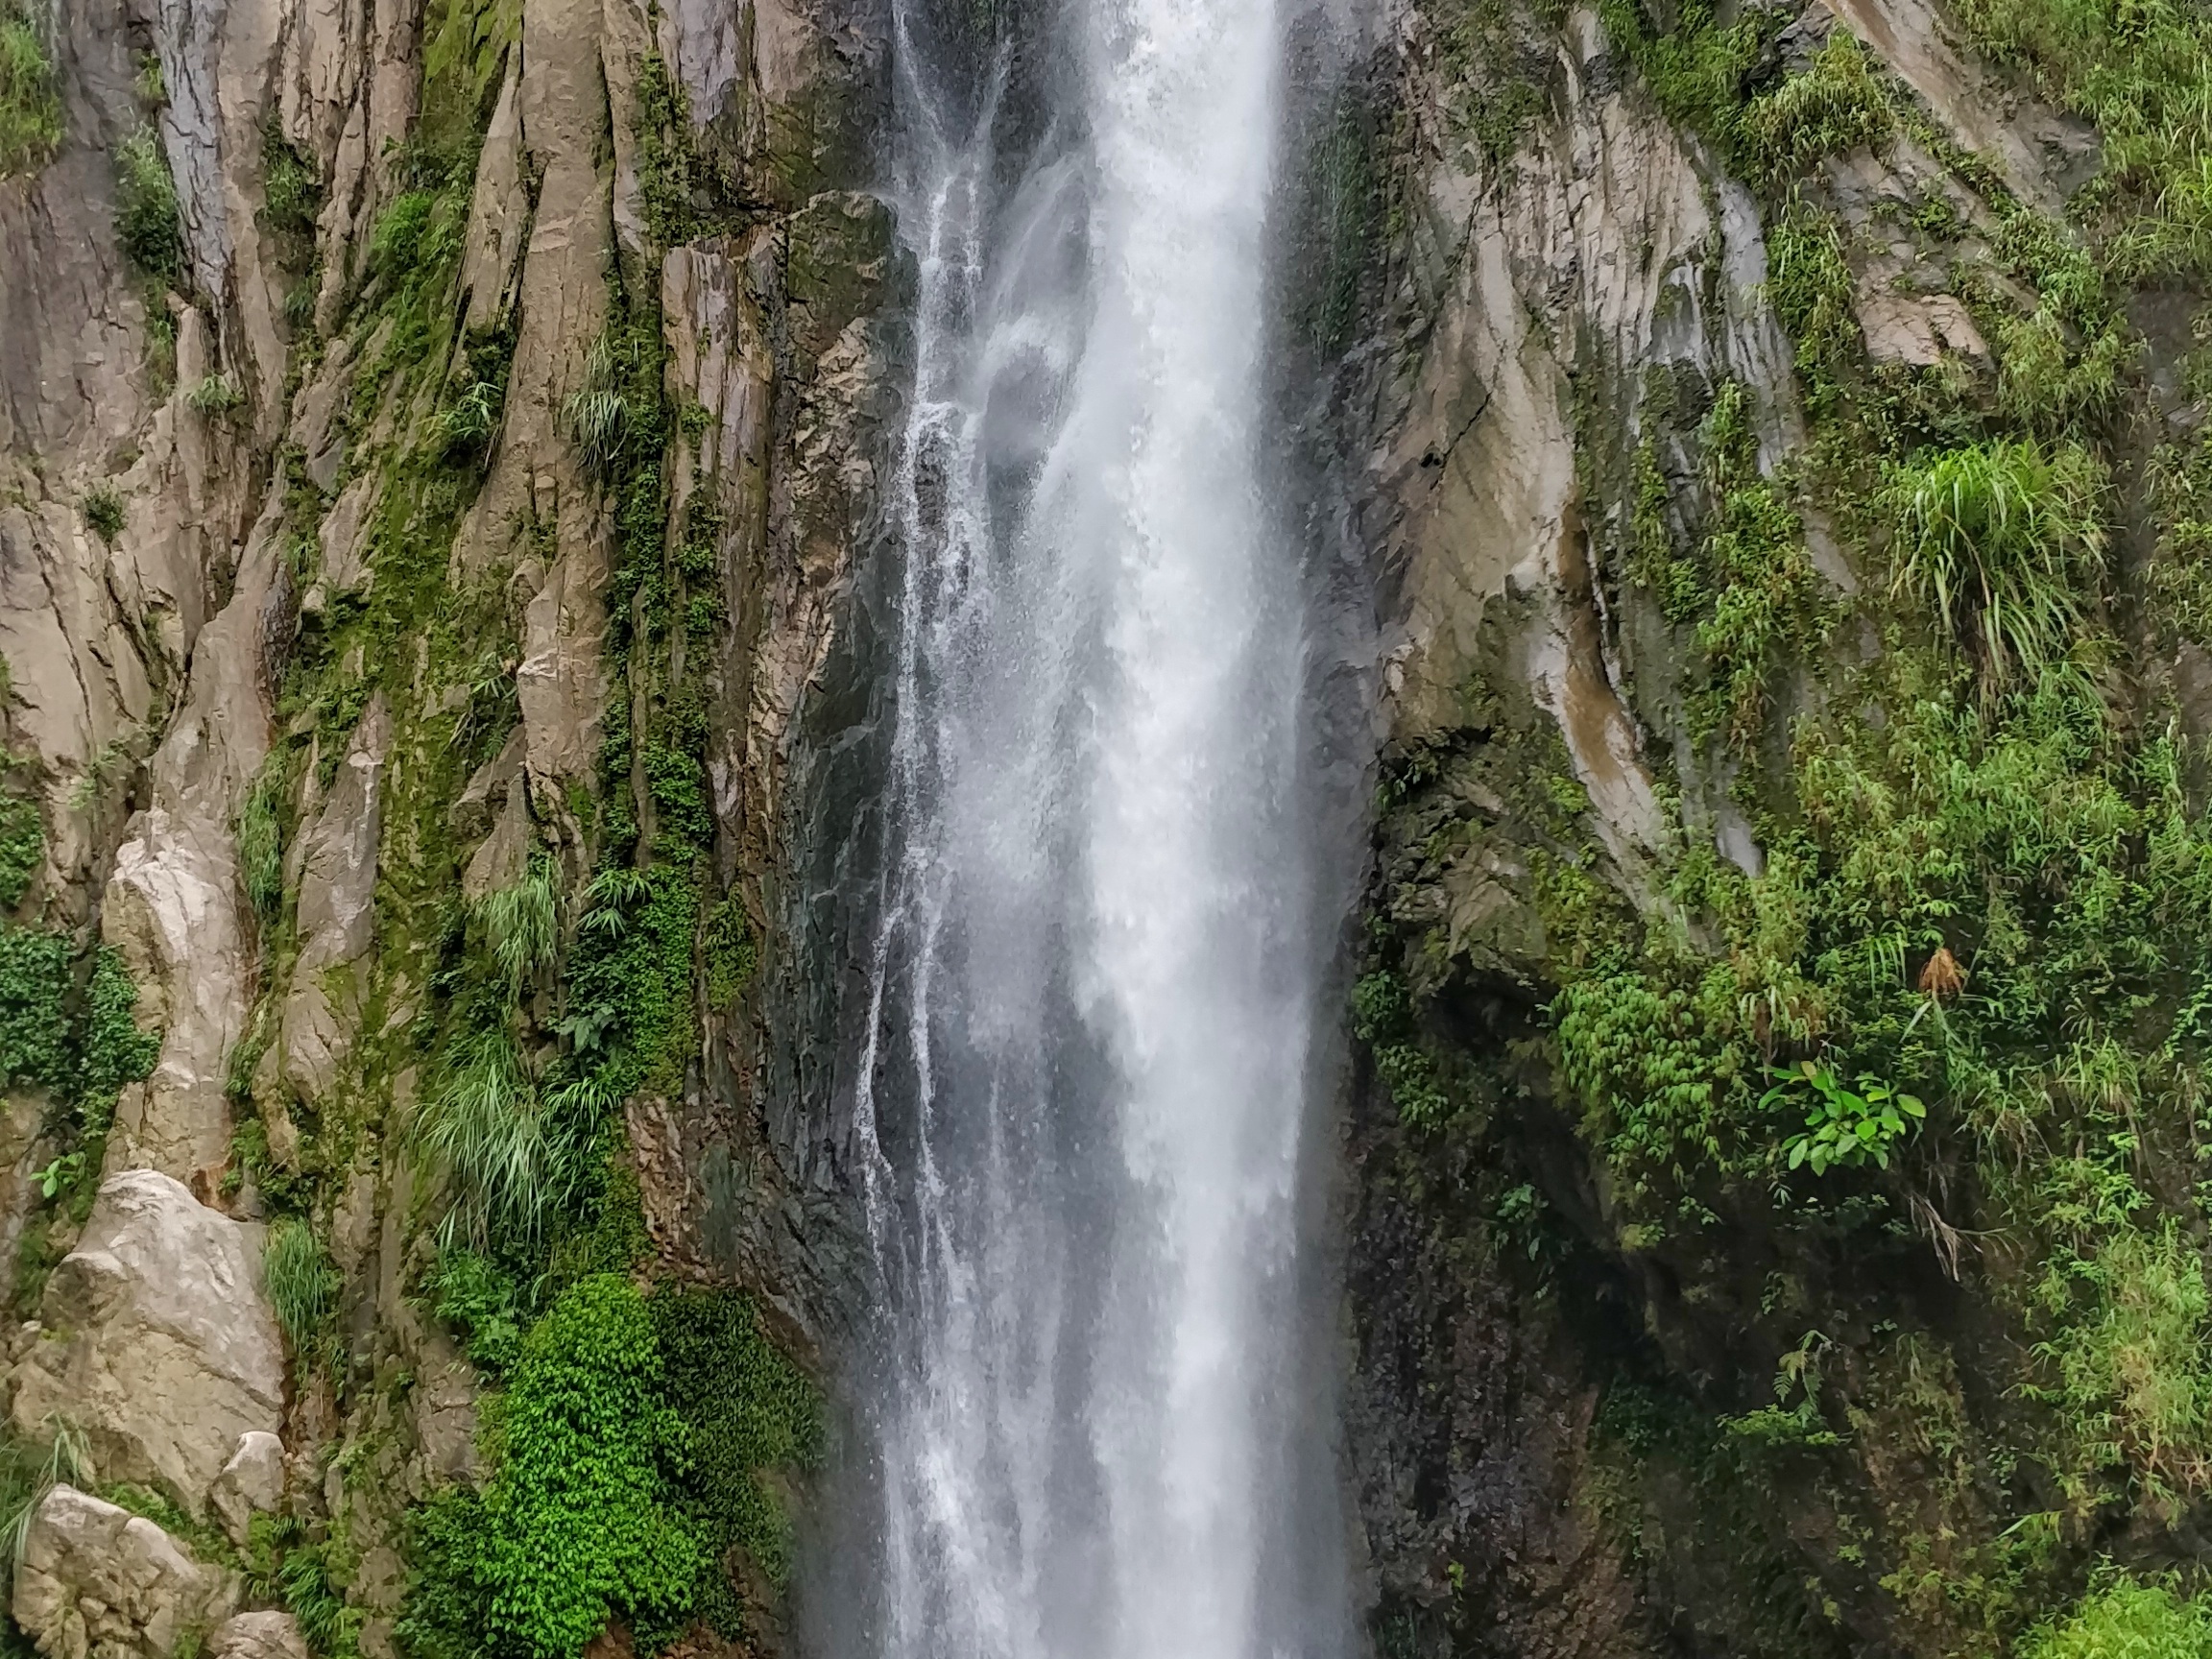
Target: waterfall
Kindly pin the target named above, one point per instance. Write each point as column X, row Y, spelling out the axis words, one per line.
column 1091, row 990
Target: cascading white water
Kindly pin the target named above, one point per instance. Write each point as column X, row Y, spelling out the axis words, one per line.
column 1091, row 990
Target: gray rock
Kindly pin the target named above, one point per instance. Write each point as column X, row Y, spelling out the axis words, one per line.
column 99, row 1582
column 252, row 1481
column 157, row 1340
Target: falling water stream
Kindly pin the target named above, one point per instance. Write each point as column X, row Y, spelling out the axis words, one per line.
column 1092, row 986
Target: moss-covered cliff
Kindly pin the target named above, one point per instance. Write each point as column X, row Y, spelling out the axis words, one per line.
column 436, row 441
column 1776, row 1222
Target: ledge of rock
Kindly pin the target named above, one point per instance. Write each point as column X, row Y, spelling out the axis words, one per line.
column 159, row 1344
column 99, row 1582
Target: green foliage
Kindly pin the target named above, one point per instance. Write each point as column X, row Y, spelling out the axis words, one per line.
column 1346, row 193
column 2142, row 74
column 598, row 413
column 213, row 393
column 731, row 956
column 291, row 185
column 2134, row 1383
column 285, row 1565
column 1383, row 1019
column 103, row 511
column 479, row 1298
column 28, row 1472
column 67, row 1024
column 521, row 923
column 578, row 1523
column 261, row 846
column 487, row 1130
column 747, row 1410
column 2126, row 1619
column 1843, row 1127
column 1999, row 540
column 30, row 98
column 1661, row 1081
column 302, row 1286
column 146, row 215
column 22, row 845
column 1835, row 104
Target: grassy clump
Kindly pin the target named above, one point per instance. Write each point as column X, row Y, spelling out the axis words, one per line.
column 521, row 921
column 302, row 1286
column 103, row 509
column 30, row 98
column 1999, row 540
column 488, row 1129
column 146, row 213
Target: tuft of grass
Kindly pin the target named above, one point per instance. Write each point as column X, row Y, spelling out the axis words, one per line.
column 487, row 1130
column 261, row 848
column 103, row 509
column 1997, row 538
column 302, row 1286
column 596, row 413
column 521, row 923
column 29, row 100
column 28, row 1473
column 1836, row 105
column 146, row 216
column 214, row 394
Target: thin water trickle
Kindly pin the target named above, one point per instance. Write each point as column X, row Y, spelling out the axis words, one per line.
column 1091, row 988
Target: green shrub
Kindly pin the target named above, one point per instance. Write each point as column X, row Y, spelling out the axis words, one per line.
column 103, row 511
column 578, row 1522
column 2127, row 1621
column 598, row 413
column 30, row 101
column 302, row 1286
column 1998, row 540
column 477, row 1297
column 1843, row 1127
column 749, row 1409
column 22, row 845
column 2134, row 1381
column 213, row 393
column 146, row 215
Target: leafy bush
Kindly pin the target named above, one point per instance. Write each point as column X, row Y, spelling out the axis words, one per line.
column 302, row 1286
column 146, row 215
column 1843, row 1127
column 213, row 393
column 1997, row 539
column 29, row 101
column 103, row 511
column 2134, row 1382
column 2127, row 1621
column 22, row 845
column 747, row 1410
column 577, row 1524
column 477, row 1297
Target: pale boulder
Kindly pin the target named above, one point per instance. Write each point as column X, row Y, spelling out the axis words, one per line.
column 158, row 1344
column 99, row 1582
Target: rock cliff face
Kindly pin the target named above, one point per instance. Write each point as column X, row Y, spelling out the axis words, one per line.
column 437, row 442
column 438, row 447
column 1774, row 1222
